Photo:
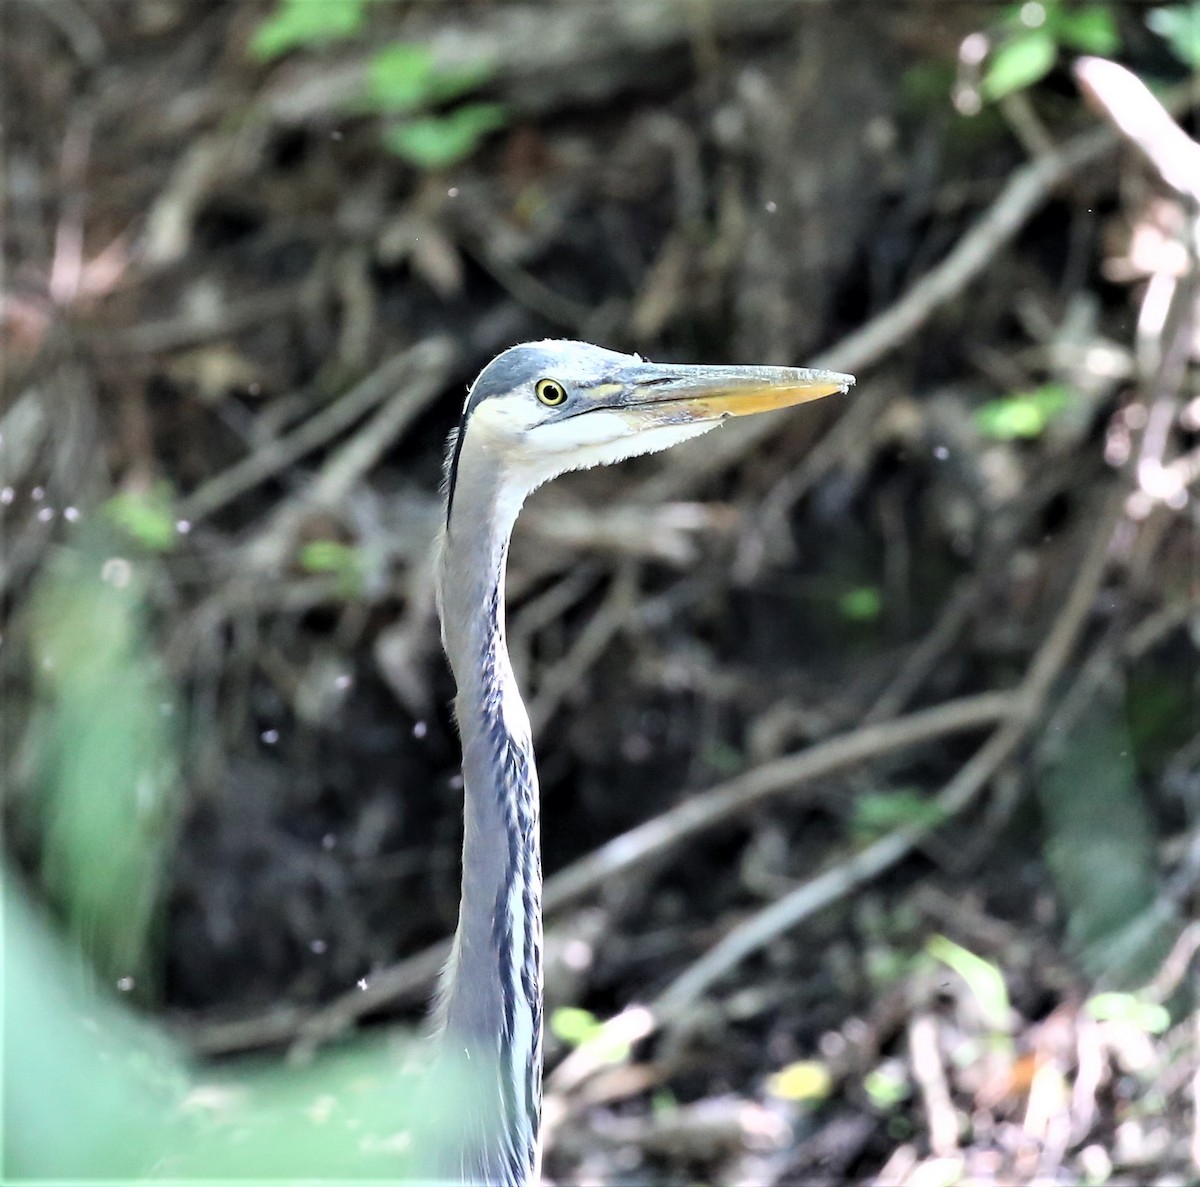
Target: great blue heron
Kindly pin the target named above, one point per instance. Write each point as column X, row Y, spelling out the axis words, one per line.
column 533, row 412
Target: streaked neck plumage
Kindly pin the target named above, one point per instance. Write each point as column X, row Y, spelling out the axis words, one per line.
column 534, row 411
column 491, row 994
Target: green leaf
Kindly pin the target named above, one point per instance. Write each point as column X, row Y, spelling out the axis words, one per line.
column 881, row 812
column 1179, row 26
column 663, row 1102
column 298, row 23
column 449, row 84
column 574, row 1025
column 885, row 966
column 145, row 515
column 343, row 561
column 862, row 604
column 1146, row 1016
column 327, row 556
column 1024, row 415
column 577, row 1027
column 1090, row 29
column 1100, row 846
column 1020, row 62
column 984, row 980
column 400, row 77
column 887, row 1085
column 438, row 141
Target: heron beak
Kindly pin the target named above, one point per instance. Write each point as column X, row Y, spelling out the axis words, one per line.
column 713, row 393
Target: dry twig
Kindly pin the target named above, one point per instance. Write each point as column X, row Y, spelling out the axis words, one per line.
column 1024, row 193
column 961, row 791
column 931, row 1079
column 1144, row 120
column 271, row 457
column 428, row 364
column 410, row 979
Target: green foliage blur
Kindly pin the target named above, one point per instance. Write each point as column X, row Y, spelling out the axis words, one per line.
column 1030, row 37
column 92, row 1090
column 983, row 979
column 104, row 788
column 402, row 83
column 578, row 1027
column 1023, row 415
column 1179, row 26
column 146, row 516
column 88, row 1091
column 300, row 24
column 343, row 562
column 878, row 813
column 1100, row 847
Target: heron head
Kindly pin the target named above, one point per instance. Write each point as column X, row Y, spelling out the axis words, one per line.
column 544, row 407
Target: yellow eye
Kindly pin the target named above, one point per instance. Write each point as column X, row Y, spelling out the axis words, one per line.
column 551, row 392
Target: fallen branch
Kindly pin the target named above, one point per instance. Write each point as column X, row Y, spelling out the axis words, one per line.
column 827, row 888
column 1140, row 117
column 638, row 846
column 427, row 367
column 410, row 980
column 269, row 458
column 1021, row 197
column 696, row 815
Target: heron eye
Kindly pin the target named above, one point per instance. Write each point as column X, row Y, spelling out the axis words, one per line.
column 551, row 392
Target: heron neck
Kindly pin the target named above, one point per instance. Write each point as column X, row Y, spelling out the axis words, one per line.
column 492, row 992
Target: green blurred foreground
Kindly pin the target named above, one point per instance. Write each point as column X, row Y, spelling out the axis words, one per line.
column 90, row 1090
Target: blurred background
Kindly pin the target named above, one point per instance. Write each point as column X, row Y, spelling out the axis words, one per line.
column 869, row 734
